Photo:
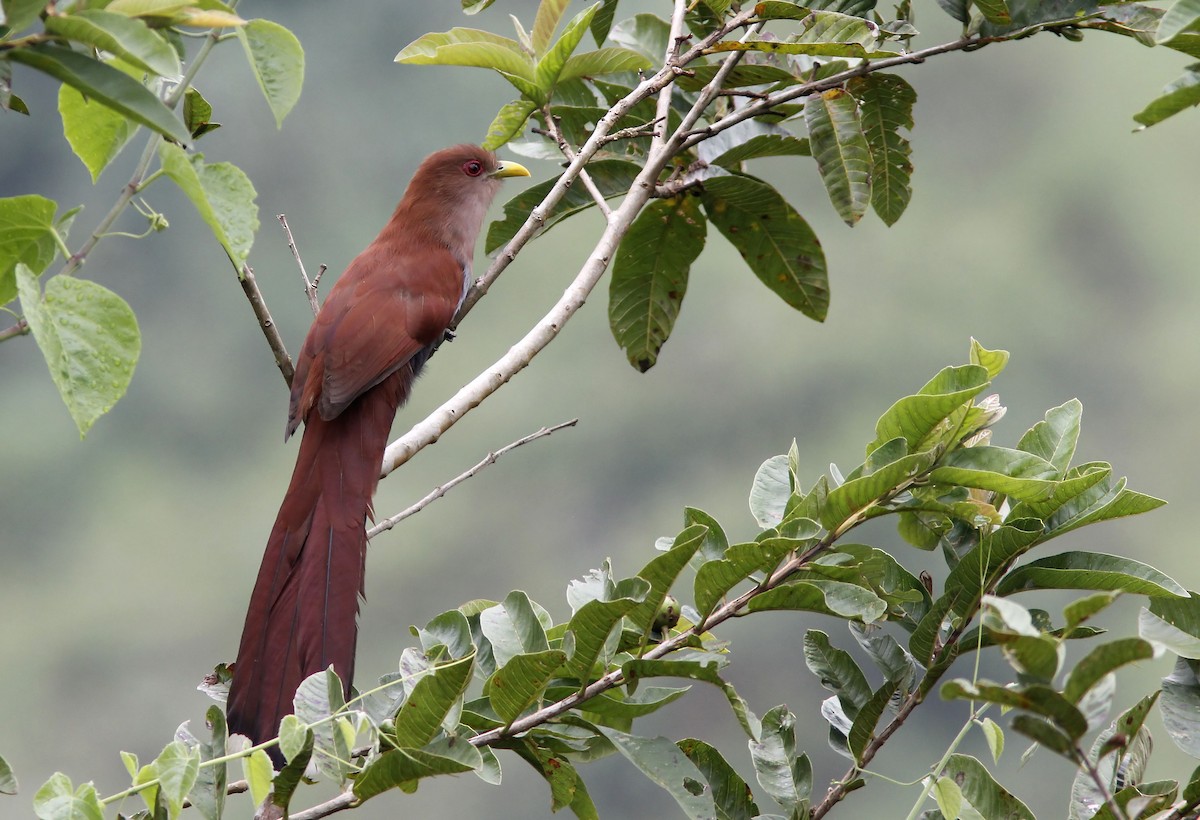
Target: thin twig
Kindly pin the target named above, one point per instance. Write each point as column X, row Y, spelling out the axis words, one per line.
column 19, row 329
column 552, row 131
column 675, row 40
column 442, row 489
column 310, row 285
column 1082, row 759
column 259, row 305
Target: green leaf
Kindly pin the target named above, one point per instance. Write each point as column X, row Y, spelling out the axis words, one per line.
column 401, row 768
column 892, row 659
column 177, row 768
column 549, row 13
column 995, row 11
column 126, row 37
column 613, row 177
column 650, row 276
column 1055, row 438
column 662, row 761
column 1079, row 611
column 197, row 114
column 469, row 47
column 862, row 732
column 297, row 742
column 277, row 60
column 594, row 621
column 770, row 491
column 837, row 671
column 430, row 701
column 1180, row 705
column 475, row 6
column 602, row 22
column 1023, row 476
column 509, row 121
column 974, row 574
column 611, row 60
column 513, row 627
column 829, row 597
column 750, row 139
column 662, row 571
column 20, row 13
column 646, row 34
column 915, row 418
column 55, row 800
column 887, row 102
column 514, row 687
column 741, row 76
column 949, row 798
column 8, row 779
column 784, row 776
column 26, row 236
column 1090, row 570
column 840, row 148
column 1036, row 699
column 984, row 794
column 704, row 671
column 104, row 84
column 1177, row 96
column 993, row 360
column 1173, row 623
column 1079, row 483
column 859, row 493
column 95, row 132
column 715, row 578
column 773, row 239
column 729, row 791
column 550, row 66
column 995, row 737
column 1183, row 15
column 89, row 338
column 257, row 768
column 1100, row 661
column 222, row 194
column 318, row 699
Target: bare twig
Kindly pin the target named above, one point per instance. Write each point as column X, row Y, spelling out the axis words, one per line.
column 310, row 285
column 552, row 131
column 259, row 306
column 442, row 489
column 19, row 329
column 1081, row 759
column 675, row 40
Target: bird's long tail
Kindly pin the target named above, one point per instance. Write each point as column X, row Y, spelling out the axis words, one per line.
column 304, row 607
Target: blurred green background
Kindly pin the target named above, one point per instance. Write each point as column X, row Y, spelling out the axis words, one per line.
column 1039, row 224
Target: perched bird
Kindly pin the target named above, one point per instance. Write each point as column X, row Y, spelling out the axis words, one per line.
column 371, row 338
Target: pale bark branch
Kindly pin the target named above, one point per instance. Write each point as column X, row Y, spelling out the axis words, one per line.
column 440, row 490
column 310, row 285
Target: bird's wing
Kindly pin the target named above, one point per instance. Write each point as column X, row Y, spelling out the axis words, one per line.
column 385, row 309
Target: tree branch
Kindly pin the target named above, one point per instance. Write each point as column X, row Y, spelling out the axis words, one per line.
column 442, row 489
column 259, row 305
column 310, row 286
column 553, row 132
column 19, row 329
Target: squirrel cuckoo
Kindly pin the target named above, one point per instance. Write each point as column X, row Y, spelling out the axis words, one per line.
column 377, row 328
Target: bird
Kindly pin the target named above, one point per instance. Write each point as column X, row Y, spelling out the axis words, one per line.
column 377, row 328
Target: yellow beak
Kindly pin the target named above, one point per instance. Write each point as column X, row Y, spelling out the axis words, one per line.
column 510, row 169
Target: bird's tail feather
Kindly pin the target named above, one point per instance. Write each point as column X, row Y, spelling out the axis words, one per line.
column 304, row 607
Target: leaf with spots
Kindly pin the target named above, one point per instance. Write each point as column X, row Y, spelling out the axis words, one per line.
column 887, row 103
column 89, row 338
column 650, row 276
column 773, row 238
column 840, row 148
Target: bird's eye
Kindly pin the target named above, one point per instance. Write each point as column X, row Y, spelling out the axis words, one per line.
column 472, row 168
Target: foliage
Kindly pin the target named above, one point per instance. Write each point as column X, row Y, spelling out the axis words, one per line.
column 664, row 116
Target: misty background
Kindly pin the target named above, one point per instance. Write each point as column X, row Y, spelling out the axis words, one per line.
column 1040, row 224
